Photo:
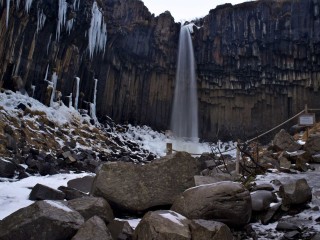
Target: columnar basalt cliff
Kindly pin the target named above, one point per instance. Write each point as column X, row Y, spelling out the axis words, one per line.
column 257, row 62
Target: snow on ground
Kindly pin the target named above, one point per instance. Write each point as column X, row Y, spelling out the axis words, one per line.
column 156, row 142
column 14, row 194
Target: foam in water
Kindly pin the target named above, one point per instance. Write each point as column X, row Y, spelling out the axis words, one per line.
column 184, row 120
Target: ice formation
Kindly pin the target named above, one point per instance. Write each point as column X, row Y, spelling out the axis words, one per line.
column 41, row 20
column 49, row 42
column 8, row 11
column 97, row 31
column 27, row 5
column 70, row 25
column 77, row 93
column 76, row 4
column 18, row 3
column 61, row 17
column 93, row 113
column 54, row 86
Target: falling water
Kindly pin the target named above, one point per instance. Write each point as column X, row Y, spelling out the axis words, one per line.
column 184, row 120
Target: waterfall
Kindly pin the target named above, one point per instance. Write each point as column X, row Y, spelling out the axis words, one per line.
column 184, row 120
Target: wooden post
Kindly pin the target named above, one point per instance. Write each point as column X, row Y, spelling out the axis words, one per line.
column 238, row 157
column 169, row 148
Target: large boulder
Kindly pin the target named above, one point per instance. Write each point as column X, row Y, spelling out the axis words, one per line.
column 41, row 220
column 162, row 225
column 139, row 187
column 312, row 145
column 295, row 192
column 284, row 141
column 204, row 230
column 42, row 192
column 93, row 229
column 262, row 199
column 227, row 202
column 92, row 206
column 83, row 184
column 120, row 230
column 7, row 168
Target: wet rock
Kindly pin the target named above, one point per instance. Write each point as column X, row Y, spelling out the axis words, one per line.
column 137, row 188
column 47, row 220
column 82, row 184
column 7, row 168
column 262, row 199
column 204, row 230
column 42, row 192
column 226, row 202
column 120, row 230
column 92, row 206
column 312, row 145
column 71, row 193
column 284, row 141
column 162, row 225
column 295, row 192
column 93, row 229
column 292, row 235
column 271, row 212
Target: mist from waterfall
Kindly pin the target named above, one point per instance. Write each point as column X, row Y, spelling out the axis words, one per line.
column 184, row 120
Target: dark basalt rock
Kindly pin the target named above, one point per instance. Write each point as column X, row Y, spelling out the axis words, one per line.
column 254, row 61
column 42, row 192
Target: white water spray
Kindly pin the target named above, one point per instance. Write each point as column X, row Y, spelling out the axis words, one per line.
column 184, row 120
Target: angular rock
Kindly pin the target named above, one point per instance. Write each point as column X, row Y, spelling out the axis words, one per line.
column 262, row 199
column 71, row 193
column 227, row 202
column 41, row 220
column 92, row 206
column 42, row 192
column 204, row 230
column 287, row 226
column 162, row 225
column 93, row 229
column 137, row 188
column 270, row 214
column 7, row 168
column 312, row 145
column 120, row 230
column 82, row 184
column 295, row 192
column 284, row 163
column 284, row 141
column 263, row 186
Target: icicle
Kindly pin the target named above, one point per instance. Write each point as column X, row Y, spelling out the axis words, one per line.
column 70, row 25
column 33, row 88
column 54, row 86
column 49, row 42
column 18, row 3
column 46, row 76
column 97, row 31
column 1, row 3
column 61, row 17
column 8, row 12
column 70, row 100
column 93, row 106
column 27, row 6
column 41, row 20
column 77, row 93
column 95, row 91
column 76, row 4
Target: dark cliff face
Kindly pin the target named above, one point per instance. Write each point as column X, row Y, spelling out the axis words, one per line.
column 257, row 63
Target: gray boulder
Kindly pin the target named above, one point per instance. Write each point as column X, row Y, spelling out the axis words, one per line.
column 284, row 141
column 120, row 230
column 295, row 192
column 41, row 220
column 204, row 230
column 71, row 193
column 139, row 187
column 312, row 145
column 92, row 206
column 7, row 168
column 162, row 225
column 227, row 202
column 82, row 184
column 93, row 229
column 262, row 199
column 42, row 192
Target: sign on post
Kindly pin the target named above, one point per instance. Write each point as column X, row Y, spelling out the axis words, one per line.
column 307, row 119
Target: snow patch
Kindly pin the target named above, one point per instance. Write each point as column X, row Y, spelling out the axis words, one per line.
column 59, row 205
column 173, row 217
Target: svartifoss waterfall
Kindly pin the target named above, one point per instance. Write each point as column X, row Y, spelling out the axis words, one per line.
column 184, row 120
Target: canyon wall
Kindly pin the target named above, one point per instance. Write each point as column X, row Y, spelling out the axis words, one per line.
column 257, row 63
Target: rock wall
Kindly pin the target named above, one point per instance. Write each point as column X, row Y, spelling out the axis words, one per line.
column 257, row 62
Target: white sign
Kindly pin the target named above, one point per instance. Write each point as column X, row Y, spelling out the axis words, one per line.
column 307, row 119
